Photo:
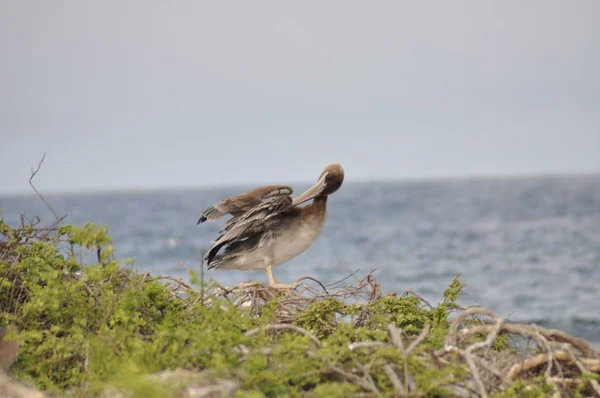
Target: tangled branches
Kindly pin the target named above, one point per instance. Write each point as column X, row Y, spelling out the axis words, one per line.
column 568, row 359
column 377, row 344
column 560, row 361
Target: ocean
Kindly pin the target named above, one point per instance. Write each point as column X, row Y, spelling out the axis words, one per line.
column 527, row 247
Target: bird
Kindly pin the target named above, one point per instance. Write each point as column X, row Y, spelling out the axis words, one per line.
column 268, row 227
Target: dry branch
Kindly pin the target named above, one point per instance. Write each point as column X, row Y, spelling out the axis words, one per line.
column 33, row 174
column 282, row 326
column 488, row 372
column 593, row 365
column 530, row 330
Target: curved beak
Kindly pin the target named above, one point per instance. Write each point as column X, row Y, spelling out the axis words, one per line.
column 311, row 192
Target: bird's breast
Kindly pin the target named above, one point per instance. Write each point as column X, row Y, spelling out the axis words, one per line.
column 295, row 239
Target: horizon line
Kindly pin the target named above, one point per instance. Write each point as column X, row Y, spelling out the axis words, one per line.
column 360, row 181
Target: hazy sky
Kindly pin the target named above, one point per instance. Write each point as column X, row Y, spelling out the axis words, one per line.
column 136, row 94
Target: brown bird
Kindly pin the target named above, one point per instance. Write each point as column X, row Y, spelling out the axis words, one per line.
column 268, row 227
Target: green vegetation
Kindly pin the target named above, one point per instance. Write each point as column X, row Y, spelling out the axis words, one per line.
column 90, row 326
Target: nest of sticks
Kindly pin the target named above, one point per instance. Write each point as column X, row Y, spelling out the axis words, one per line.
column 565, row 362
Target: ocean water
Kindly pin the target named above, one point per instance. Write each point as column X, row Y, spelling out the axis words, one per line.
column 529, row 248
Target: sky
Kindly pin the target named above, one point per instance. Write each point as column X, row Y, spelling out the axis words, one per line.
column 142, row 94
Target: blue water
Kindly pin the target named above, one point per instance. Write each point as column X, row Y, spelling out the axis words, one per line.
column 529, row 248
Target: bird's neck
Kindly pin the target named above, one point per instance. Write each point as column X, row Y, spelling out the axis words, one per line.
column 318, row 207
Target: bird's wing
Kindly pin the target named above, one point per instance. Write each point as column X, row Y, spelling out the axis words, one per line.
column 240, row 204
column 253, row 222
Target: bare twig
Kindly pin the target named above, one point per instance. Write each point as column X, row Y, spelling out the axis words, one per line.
column 475, row 372
column 314, row 280
column 33, row 174
column 584, row 370
column 492, row 369
column 451, row 338
column 567, row 381
column 365, row 344
column 343, row 279
column 177, row 280
column 182, row 265
column 551, row 334
column 417, row 295
column 489, row 340
column 364, row 384
column 280, row 326
column 396, row 337
column 541, row 359
column 422, row 336
column 390, row 372
column 202, row 276
column 468, row 353
column 544, row 342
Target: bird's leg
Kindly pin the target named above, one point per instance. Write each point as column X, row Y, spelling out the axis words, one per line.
column 273, row 282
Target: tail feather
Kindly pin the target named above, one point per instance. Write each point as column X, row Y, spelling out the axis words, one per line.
column 210, row 256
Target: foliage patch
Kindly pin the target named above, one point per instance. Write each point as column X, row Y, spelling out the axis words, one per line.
column 88, row 325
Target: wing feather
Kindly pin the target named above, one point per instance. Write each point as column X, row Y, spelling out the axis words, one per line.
column 251, row 223
column 240, row 204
